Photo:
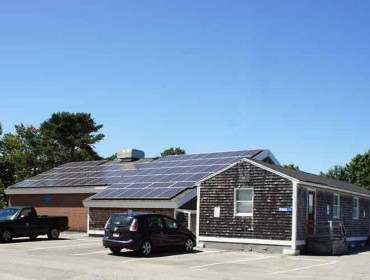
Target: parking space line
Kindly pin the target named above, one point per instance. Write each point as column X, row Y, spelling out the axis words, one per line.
column 87, row 239
column 302, row 268
column 221, row 263
column 64, row 246
column 135, row 260
column 306, row 259
column 91, row 253
column 169, row 257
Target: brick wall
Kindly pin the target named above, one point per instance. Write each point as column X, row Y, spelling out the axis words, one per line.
column 57, row 205
column 271, row 192
column 77, row 216
column 99, row 216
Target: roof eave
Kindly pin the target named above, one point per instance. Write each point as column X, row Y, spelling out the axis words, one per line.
column 56, row 190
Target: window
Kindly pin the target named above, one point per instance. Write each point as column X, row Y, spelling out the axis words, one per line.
column 336, row 206
column 28, row 213
column 170, row 223
column 155, row 222
column 244, row 202
column 355, row 208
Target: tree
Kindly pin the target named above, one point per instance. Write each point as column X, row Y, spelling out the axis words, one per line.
column 70, row 137
column 357, row 171
column 20, row 155
column 173, row 151
column 2, row 173
column 62, row 138
column 291, row 166
column 337, row 172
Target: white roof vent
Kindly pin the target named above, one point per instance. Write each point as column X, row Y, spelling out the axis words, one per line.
column 130, row 155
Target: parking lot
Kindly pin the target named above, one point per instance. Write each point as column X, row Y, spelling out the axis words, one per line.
column 76, row 256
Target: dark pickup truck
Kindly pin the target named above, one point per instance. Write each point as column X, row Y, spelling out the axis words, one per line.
column 20, row 221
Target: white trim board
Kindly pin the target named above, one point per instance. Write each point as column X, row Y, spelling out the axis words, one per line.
column 245, row 240
column 266, row 153
column 150, row 203
column 56, row 190
column 186, row 211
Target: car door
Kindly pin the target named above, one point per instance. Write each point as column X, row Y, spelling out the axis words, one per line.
column 171, row 233
column 155, row 230
column 26, row 222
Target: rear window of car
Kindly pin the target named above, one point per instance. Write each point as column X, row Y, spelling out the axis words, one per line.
column 120, row 220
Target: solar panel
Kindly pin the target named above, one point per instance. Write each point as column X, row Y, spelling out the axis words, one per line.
column 170, row 193
column 163, row 178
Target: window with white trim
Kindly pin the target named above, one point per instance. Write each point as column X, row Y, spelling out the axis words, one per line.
column 244, row 202
column 355, row 208
column 336, row 206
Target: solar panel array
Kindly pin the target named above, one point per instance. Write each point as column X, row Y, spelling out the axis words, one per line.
column 163, row 178
column 167, row 177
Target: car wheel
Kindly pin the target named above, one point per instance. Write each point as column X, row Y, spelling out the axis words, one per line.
column 115, row 250
column 6, row 236
column 146, row 248
column 189, row 245
column 33, row 236
column 53, row 233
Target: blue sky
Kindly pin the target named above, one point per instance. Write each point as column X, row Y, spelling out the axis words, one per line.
column 291, row 76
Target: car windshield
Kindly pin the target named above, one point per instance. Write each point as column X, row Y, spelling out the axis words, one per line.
column 120, row 220
column 8, row 213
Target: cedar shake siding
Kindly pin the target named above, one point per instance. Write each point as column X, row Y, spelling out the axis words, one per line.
column 271, row 192
column 301, row 213
column 354, row 227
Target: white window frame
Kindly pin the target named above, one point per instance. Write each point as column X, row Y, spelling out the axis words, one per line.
column 236, row 202
column 356, row 210
column 338, row 206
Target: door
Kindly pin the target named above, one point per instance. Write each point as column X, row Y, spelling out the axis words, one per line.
column 26, row 222
column 311, row 212
column 156, row 229
column 172, row 235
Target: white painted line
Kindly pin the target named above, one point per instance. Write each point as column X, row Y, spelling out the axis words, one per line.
column 59, row 247
column 305, row 267
column 306, row 259
column 221, row 263
column 86, row 239
column 92, row 253
column 134, row 260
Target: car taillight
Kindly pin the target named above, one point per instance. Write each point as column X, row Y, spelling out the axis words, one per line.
column 134, row 226
column 106, row 224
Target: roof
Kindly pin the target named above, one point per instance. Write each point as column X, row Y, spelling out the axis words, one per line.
column 162, row 178
column 315, row 179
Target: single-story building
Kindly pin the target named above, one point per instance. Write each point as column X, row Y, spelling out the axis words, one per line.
column 256, row 203
column 62, row 190
column 240, row 199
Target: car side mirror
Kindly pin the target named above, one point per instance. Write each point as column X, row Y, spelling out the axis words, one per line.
column 22, row 217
